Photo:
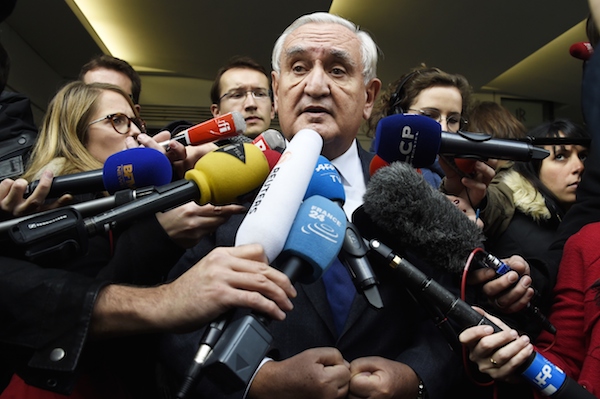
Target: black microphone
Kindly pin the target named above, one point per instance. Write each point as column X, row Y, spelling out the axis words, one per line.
column 402, row 207
column 417, row 139
column 326, row 181
column 537, row 370
column 86, row 208
column 130, row 168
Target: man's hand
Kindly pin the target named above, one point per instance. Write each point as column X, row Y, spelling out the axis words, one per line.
column 317, row 373
column 380, row 378
column 226, row 278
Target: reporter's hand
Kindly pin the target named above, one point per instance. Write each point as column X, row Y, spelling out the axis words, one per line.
column 315, row 373
column 226, row 278
column 472, row 189
column 176, row 151
column 497, row 354
column 13, row 203
column 188, row 223
column 510, row 292
column 466, row 208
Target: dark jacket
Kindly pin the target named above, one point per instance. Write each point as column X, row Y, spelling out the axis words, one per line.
column 17, row 134
column 46, row 311
column 400, row 331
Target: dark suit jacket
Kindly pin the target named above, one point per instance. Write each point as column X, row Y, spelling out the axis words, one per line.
column 400, row 331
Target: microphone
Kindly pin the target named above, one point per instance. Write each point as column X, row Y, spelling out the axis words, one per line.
column 376, row 163
column 417, row 139
column 281, row 194
column 267, row 222
column 220, row 127
column 314, row 240
column 537, row 370
column 327, row 182
column 581, row 50
column 400, row 205
column 222, row 176
column 270, row 139
column 130, row 168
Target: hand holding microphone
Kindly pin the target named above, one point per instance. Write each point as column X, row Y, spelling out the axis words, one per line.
column 130, row 168
column 400, row 207
column 536, row 369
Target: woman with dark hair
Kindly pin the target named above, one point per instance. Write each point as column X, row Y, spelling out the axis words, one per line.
column 539, row 193
column 542, row 191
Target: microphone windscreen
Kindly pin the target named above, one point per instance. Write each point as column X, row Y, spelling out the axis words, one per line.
column 326, row 182
column 272, row 213
column 135, row 168
column 272, row 157
column 581, row 50
column 270, row 139
column 220, row 127
column 239, row 138
column 404, row 211
column 376, row 163
column 414, row 139
column 316, row 236
column 228, row 173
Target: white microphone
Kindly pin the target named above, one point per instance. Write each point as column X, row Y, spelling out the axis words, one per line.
column 272, row 213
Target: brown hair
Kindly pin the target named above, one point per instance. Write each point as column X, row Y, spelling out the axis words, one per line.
column 401, row 94
column 492, row 118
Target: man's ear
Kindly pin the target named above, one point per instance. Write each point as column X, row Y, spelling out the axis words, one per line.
column 274, row 86
column 214, row 110
column 372, row 90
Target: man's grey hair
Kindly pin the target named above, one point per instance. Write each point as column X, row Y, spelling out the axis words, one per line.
column 368, row 48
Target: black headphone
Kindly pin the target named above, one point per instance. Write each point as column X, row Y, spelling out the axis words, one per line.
column 398, row 96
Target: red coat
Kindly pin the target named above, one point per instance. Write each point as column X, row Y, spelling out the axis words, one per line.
column 575, row 311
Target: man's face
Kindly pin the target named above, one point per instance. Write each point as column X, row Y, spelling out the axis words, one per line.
column 256, row 110
column 103, row 75
column 321, row 86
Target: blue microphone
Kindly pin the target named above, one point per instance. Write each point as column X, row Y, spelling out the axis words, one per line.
column 327, row 182
column 417, row 139
column 130, row 168
column 314, row 240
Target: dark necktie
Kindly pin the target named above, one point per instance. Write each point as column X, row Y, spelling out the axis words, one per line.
column 340, row 293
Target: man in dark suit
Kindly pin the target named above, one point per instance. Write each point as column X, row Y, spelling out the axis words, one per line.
column 324, row 78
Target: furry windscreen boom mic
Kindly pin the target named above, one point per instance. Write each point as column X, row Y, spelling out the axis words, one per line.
column 401, row 209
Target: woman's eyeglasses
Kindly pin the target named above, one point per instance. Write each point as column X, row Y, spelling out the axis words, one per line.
column 122, row 123
column 455, row 122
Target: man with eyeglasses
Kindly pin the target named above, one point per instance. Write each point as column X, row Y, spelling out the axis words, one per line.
column 243, row 85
